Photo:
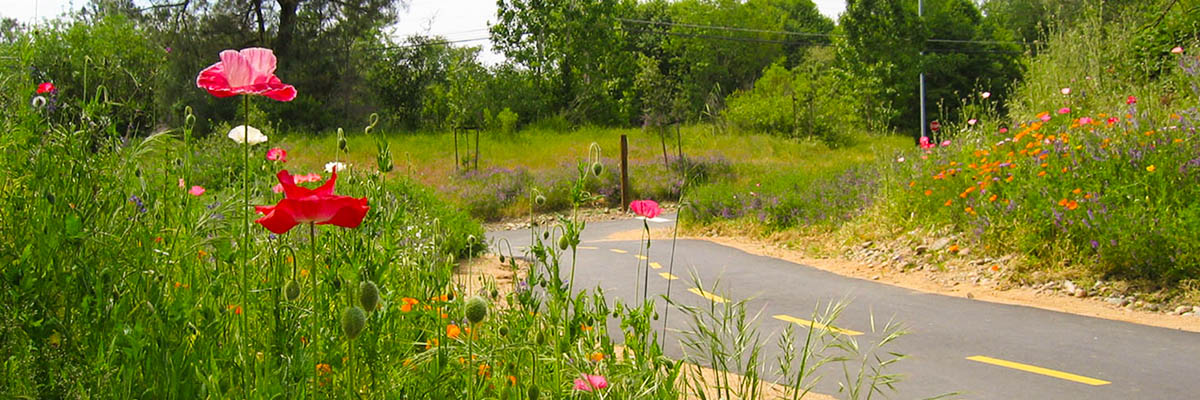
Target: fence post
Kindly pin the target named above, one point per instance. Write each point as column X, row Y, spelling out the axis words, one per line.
column 625, row 192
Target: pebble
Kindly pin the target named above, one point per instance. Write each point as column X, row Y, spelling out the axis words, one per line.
column 1069, row 286
column 875, row 278
column 970, row 296
column 1189, row 314
column 939, row 244
column 1182, row 309
column 922, row 249
column 1080, row 293
column 1196, row 309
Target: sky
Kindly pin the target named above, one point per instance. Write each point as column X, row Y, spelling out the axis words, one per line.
column 456, row 20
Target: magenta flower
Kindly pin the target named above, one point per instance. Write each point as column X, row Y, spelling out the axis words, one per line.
column 590, row 382
column 46, row 87
column 249, row 71
column 1045, row 117
column 946, row 143
column 196, row 190
column 645, row 208
column 925, row 144
column 1085, row 121
column 1177, row 50
column 1003, row 130
column 277, row 154
column 1064, row 110
column 1131, row 100
column 1065, row 90
column 972, row 121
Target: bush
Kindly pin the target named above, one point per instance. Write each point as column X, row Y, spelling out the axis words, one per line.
column 508, row 121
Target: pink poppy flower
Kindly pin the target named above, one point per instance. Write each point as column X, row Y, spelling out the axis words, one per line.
column 249, row 71
column 645, row 208
column 277, row 154
column 1064, row 110
column 590, row 382
column 946, row 143
column 972, row 121
column 1131, row 100
column 181, row 185
column 196, row 190
column 45, row 87
column 1065, row 90
column 1003, row 130
column 1112, row 120
column 985, row 94
column 1045, row 117
column 1085, row 121
column 925, row 144
column 1177, row 50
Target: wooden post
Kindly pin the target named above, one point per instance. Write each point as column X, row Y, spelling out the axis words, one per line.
column 625, row 192
column 476, row 149
column 455, row 149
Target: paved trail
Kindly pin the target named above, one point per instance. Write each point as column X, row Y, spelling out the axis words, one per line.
column 978, row 349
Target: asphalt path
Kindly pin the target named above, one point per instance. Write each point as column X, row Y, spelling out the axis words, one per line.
column 977, row 349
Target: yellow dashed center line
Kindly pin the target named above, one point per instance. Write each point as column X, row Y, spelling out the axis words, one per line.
column 587, row 248
column 1039, row 370
column 817, row 325
column 707, row 295
column 618, row 251
column 655, row 265
column 668, row 276
column 640, row 257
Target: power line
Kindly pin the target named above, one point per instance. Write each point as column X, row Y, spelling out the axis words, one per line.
column 429, row 43
column 717, row 37
column 724, row 28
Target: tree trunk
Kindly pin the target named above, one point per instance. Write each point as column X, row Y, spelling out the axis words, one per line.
column 262, row 25
column 662, row 138
column 287, row 26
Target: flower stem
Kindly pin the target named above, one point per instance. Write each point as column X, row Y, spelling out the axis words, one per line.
column 312, row 325
column 245, row 247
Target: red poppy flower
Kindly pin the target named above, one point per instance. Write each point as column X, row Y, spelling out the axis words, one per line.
column 302, row 205
column 45, row 87
column 645, row 208
column 277, row 154
column 250, row 71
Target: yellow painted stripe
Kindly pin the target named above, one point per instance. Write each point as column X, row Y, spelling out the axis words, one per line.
column 587, row 248
column 1039, row 370
column 655, row 265
column 640, row 257
column 707, row 295
column 668, row 276
column 618, row 251
column 817, row 325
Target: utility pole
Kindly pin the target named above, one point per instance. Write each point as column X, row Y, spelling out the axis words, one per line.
column 921, row 64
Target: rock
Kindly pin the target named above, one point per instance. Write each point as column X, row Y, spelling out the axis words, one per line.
column 964, row 251
column 1188, row 314
column 876, row 277
column 939, row 244
column 868, row 244
column 970, row 296
column 922, row 249
column 1182, row 309
column 1079, row 292
column 1117, row 301
column 1196, row 309
column 1069, row 287
column 1152, row 307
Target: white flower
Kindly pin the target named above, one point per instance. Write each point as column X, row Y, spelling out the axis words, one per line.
column 1065, row 91
column 254, row 136
column 985, row 94
column 38, row 102
column 972, row 121
column 331, row 165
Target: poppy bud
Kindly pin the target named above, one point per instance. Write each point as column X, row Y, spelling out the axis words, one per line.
column 656, row 316
column 533, row 392
column 563, row 242
column 137, row 172
column 546, row 235
column 539, row 200
column 353, row 322
column 495, row 293
column 597, row 168
column 50, row 197
column 291, row 290
column 503, row 331
column 368, row 295
column 541, row 338
column 502, row 259
column 477, row 309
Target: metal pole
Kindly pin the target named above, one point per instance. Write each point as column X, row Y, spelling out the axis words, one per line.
column 921, row 65
column 625, row 173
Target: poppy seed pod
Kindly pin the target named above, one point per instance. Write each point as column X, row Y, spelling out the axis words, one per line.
column 539, row 200
column 368, row 295
column 477, row 308
column 597, row 168
column 533, row 392
column 291, row 290
column 354, row 319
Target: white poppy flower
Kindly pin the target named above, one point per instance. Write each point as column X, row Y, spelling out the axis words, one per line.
column 253, row 136
column 331, row 165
